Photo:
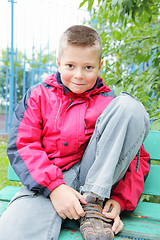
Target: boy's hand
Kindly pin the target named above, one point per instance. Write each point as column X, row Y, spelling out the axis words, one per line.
column 66, row 202
column 112, row 210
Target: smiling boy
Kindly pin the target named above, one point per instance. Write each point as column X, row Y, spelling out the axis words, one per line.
column 74, row 146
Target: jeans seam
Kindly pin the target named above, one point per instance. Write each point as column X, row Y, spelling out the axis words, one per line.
column 131, row 149
column 50, row 229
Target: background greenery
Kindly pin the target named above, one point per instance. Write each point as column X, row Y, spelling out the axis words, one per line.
column 4, row 165
column 130, row 32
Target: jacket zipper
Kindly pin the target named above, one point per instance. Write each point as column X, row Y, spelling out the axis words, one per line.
column 55, row 125
column 70, row 103
column 85, row 126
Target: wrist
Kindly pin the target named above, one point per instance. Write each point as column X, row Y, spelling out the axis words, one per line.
column 56, row 188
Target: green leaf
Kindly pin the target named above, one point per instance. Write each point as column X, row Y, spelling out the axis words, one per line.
column 155, row 125
column 90, row 4
column 114, row 2
column 82, row 3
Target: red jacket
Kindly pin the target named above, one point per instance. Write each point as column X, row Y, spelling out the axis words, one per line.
column 50, row 131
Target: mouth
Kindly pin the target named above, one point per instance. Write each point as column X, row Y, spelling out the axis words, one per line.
column 78, row 84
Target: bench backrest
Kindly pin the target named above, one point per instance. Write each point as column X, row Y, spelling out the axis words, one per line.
column 152, row 145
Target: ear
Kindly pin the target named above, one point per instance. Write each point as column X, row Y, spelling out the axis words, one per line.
column 58, row 63
column 100, row 65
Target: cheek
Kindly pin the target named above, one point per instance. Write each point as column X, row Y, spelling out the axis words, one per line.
column 65, row 77
column 92, row 80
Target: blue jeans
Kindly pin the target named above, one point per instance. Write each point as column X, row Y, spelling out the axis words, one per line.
column 119, row 132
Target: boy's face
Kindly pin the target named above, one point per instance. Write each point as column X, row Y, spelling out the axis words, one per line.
column 79, row 67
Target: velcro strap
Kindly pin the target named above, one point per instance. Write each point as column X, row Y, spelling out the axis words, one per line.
column 94, row 207
column 95, row 211
column 97, row 215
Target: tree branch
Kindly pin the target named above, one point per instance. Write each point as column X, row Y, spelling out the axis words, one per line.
column 140, row 40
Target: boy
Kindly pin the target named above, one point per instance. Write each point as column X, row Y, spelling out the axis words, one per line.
column 74, row 146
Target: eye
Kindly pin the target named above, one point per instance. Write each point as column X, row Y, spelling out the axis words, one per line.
column 70, row 66
column 89, row 67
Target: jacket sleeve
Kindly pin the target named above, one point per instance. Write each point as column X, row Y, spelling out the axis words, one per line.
column 129, row 189
column 25, row 149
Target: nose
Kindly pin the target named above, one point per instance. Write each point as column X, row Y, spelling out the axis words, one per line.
column 78, row 73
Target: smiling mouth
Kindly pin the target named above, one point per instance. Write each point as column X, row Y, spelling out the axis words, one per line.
column 78, row 84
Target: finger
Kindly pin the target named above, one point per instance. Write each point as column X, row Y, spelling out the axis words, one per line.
column 111, row 214
column 80, row 197
column 116, row 223
column 72, row 214
column 119, row 228
column 62, row 215
column 107, row 207
column 76, row 211
column 79, row 209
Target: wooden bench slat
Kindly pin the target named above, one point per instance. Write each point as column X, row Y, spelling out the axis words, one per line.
column 8, row 192
column 148, row 209
column 152, row 144
column 151, row 186
column 67, row 234
column 3, row 207
column 12, row 176
column 138, row 227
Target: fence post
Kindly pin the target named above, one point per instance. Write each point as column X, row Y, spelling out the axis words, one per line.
column 11, row 81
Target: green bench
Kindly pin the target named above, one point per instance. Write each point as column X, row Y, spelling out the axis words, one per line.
column 143, row 223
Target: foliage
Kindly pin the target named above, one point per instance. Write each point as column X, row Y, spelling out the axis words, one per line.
column 130, row 32
column 4, row 165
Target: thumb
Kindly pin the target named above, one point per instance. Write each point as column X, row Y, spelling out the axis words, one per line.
column 107, row 207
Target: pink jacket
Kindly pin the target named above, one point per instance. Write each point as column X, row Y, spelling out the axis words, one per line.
column 50, row 131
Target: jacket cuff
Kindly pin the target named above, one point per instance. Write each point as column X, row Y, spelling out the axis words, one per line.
column 120, row 201
column 52, row 186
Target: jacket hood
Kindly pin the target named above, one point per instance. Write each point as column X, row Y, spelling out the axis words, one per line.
column 55, row 81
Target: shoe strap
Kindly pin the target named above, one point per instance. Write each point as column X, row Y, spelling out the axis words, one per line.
column 95, row 211
column 92, row 207
column 99, row 216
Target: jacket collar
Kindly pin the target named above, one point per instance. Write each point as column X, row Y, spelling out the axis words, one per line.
column 55, row 81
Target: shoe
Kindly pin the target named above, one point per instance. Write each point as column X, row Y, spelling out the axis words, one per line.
column 94, row 225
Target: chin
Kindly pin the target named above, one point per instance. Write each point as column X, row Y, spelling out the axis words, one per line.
column 77, row 92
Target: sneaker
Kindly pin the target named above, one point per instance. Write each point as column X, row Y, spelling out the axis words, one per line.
column 94, row 225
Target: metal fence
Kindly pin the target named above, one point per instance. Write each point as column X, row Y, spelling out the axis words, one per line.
column 30, row 31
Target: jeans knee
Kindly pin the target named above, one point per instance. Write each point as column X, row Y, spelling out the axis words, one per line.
column 132, row 108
